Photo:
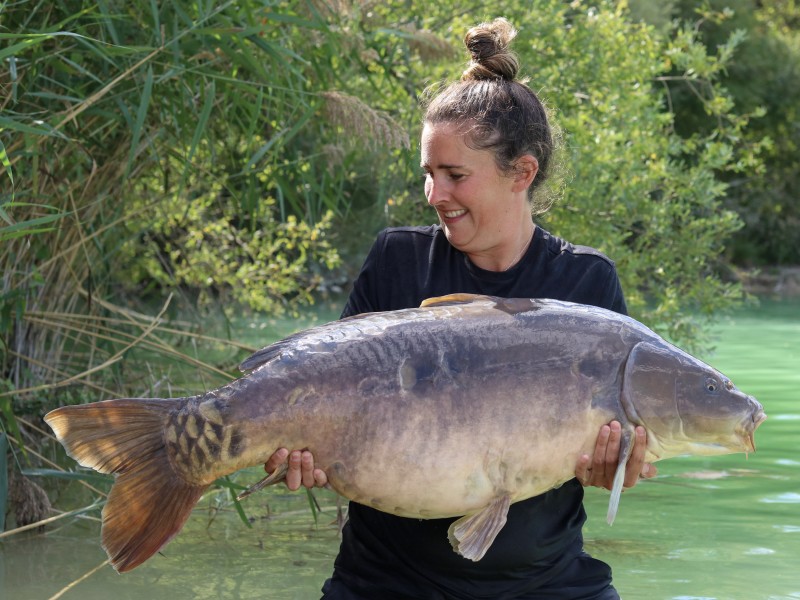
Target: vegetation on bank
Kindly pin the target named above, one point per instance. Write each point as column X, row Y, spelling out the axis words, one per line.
column 161, row 162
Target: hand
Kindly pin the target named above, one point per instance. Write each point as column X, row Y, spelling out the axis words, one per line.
column 599, row 470
column 301, row 469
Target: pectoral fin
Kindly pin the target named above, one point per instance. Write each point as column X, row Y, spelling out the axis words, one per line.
column 625, row 451
column 472, row 535
column 275, row 477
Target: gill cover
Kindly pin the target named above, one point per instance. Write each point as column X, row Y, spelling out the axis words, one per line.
column 648, row 387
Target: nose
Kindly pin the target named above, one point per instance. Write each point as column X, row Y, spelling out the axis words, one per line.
column 434, row 191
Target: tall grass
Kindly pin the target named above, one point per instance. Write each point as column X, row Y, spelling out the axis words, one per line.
column 149, row 148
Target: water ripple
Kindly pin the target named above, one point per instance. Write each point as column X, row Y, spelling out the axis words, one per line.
column 785, row 498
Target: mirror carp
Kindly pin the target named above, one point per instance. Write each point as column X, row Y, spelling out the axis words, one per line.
column 457, row 408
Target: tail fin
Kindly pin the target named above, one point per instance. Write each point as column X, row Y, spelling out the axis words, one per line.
column 149, row 503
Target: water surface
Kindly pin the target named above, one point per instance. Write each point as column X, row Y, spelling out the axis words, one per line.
column 706, row 528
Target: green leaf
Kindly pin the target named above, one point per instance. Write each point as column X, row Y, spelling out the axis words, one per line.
column 199, row 130
column 28, row 227
column 3, row 480
column 140, row 116
column 9, row 422
column 28, row 42
column 42, row 129
column 283, row 136
column 314, row 505
column 7, row 164
column 234, row 489
column 31, row 39
column 88, row 476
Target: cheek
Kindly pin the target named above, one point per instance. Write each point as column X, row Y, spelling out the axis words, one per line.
column 428, row 187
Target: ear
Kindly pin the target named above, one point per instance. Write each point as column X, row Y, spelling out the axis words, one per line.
column 525, row 169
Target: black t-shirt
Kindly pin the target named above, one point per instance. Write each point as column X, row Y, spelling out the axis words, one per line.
column 385, row 556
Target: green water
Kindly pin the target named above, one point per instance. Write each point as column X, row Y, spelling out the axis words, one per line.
column 707, row 528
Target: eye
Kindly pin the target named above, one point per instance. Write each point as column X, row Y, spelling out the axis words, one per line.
column 711, row 385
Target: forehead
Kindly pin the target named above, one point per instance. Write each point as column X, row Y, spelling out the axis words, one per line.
column 444, row 144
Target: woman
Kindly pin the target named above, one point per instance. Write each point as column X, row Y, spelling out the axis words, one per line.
column 485, row 149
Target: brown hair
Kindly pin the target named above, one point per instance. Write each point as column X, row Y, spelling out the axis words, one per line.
column 496, row 111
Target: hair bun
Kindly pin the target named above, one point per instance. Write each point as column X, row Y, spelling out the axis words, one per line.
column 488, row 46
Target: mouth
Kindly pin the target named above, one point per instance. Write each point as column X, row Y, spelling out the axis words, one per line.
column 453, row 214
column 758, row 417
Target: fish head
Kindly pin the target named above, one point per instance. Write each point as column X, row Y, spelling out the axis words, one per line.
column 687, row 406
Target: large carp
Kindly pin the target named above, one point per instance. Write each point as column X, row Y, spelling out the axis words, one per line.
column 459, row 407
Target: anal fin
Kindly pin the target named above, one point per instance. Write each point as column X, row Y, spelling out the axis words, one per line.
column 472, row 535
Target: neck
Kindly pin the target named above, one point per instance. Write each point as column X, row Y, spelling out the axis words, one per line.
column 523, row 245
column 509, row 255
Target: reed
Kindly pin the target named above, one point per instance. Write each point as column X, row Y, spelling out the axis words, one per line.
column 154, row 161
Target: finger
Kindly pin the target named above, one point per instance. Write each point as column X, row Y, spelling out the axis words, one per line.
column 307, row 469
column 614, row 439
column 649, row 471
column 277, row 458
column 600, row 452
column 320, row 478
column 294, row 476
column 582, row 472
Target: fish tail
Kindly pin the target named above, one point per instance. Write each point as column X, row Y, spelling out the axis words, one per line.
column 149, row 502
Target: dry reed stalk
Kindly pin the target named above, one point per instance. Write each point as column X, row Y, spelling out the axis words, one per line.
column 362, row 123
column 80, row 579
column 427, row 45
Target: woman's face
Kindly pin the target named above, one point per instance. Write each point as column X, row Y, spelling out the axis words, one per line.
column 484, row 212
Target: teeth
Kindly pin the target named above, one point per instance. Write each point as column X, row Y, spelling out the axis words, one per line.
column 451, row 214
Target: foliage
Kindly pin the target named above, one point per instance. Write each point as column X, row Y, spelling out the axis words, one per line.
column 630, row 184
column 762, row 76
column 187, row 147
column 149, row 148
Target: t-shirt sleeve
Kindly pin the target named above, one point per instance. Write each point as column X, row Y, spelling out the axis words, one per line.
column 614, row 298
column 363, row 297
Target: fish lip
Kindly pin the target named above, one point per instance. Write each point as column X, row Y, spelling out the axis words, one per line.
column 750, row 424
column 758, row 419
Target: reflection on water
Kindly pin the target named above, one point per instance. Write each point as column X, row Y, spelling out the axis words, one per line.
column 722, row 528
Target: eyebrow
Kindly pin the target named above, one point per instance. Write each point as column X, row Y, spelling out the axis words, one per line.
column 443, row 166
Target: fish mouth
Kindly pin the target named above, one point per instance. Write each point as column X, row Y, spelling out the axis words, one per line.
column 750, row 424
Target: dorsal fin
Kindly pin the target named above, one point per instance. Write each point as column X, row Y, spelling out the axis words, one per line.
column 512, row 306
column 459, row 298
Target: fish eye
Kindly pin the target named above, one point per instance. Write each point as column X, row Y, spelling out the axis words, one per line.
column 711, row 385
